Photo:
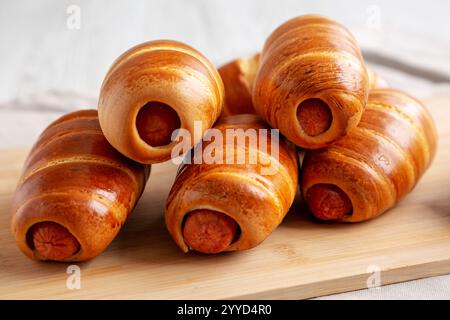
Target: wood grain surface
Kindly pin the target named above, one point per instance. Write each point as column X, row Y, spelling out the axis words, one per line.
column 301, row 259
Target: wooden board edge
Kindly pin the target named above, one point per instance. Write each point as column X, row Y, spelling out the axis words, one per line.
column 352, row 283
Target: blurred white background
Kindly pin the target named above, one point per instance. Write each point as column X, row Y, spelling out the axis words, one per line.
column 54, row 54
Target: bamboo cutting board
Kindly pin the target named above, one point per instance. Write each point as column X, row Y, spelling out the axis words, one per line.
column 301, row 259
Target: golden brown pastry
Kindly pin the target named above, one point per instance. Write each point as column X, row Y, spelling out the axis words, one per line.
column 238, row 77
column 153, row 89
column 227, row 206
column 75, row 191
column 375, row 81
column 375, row 165
column 312, row 83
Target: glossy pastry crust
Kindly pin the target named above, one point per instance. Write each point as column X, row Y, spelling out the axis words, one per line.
column 375, row 80
column 163, row 71
column 311, row 57
column 381, row 160
column 238, row 77
column 257, row 201
column 75, row 178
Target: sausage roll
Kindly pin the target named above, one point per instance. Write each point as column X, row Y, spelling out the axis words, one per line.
column 75, row 191
column 375, row 165
column 312, row 82
column 151, row 91
column 238, row 77
column 229, row 205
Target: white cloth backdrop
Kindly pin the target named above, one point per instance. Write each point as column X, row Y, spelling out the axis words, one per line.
column 49, row 66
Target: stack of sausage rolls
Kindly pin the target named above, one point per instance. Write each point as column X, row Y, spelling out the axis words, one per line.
column 365, row 145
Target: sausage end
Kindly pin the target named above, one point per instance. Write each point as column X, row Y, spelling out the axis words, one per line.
column 328, row 202
column 209, row 231
column 155, row 123
column 53, row 241
column 314, row 116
